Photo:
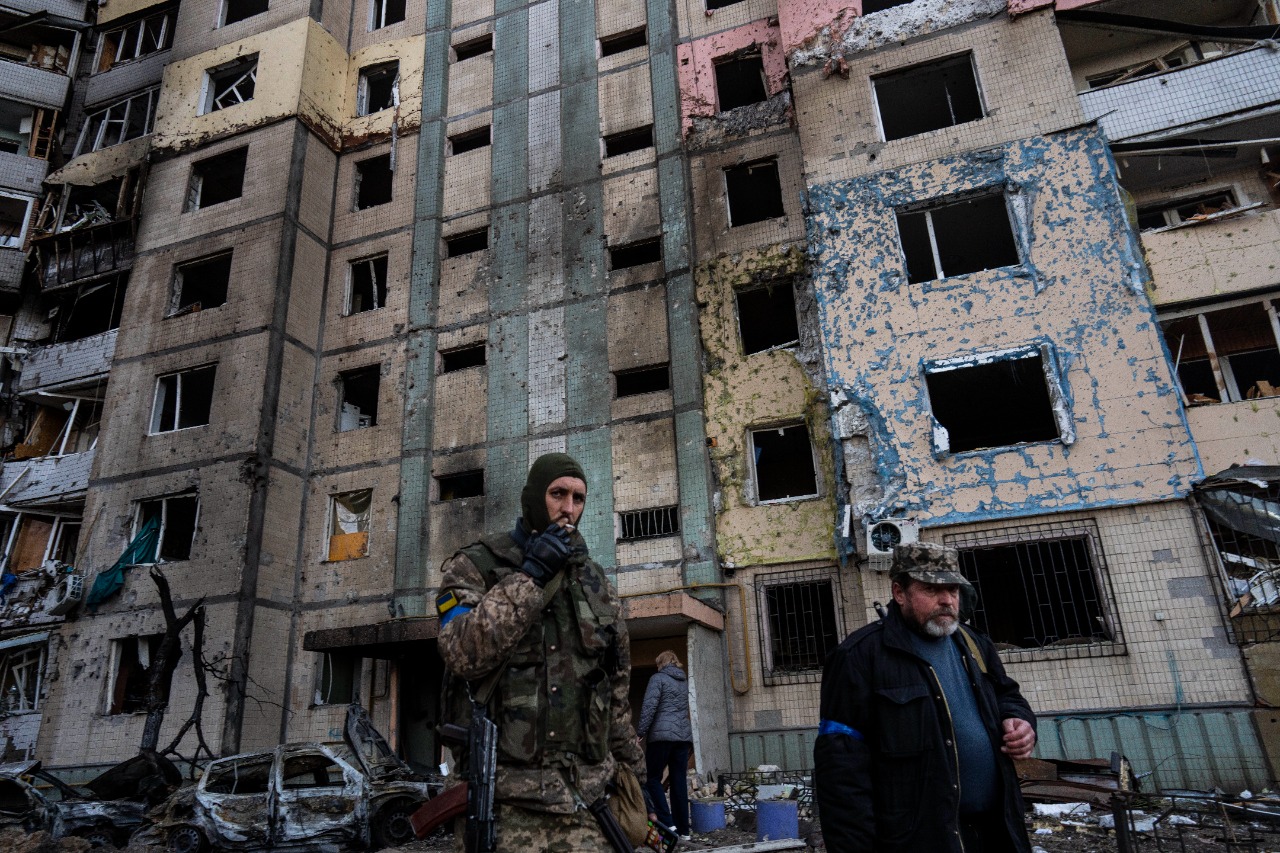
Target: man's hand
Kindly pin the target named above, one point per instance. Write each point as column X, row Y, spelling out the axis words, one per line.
column 546, row 554
column 1019, row 737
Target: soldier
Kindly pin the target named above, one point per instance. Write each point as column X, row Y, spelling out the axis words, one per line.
column 532, row 604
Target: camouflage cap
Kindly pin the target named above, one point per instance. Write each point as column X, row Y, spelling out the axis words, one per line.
column 927, row 562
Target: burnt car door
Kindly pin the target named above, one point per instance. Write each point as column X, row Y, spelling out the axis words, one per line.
column 234, row 800
column 318, row 798
column 20, row 803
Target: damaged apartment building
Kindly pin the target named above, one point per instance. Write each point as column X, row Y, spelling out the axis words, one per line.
column 298, row 291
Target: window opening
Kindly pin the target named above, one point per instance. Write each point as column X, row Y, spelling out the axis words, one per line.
column 183, row 399
column 624, row 41
column 149, row 35
column 928, row 97
column 378, row 88
column 15, row 212
column 234, row 11
column 1227, row 354
column 653, row 523
column 473, row 355
column 992, row 403
column 373, row 181
column 767, row 317
column 230, row 85
column 90, row 309
column 961, row 237
column 124, row 120
column 201, row 284
column 338, row 680
column 21, row 675
column 783, row 460
column 473, row 47
column 720, row 4
column 66, row 538
column 131, row 674
column 242, row 776
column 642, row 380
column 740, row 80
column 30, row 545
column 384, row 13
column 461, row 143
column 754, row 192
column 217, row 179
column 617, row 144
column 358, row 398
column 16, row 123
column 349, row 514
column 177, row 516
column 368, row 285
column 1183, row 55
column 1194, row 209
column 639, row 253
column 455, row 487
column 466, row 243
column 800, row 627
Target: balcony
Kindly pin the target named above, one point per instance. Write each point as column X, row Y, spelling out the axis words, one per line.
column 1231, row 254
column 46, row 481
column 59, row 367
column 80, row 254
column 1234, row 87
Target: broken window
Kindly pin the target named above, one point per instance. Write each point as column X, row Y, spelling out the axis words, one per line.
column 473, row 47
column 1241, row 506
column 799, row 615
column 95, row 204
column 461, row 143
column 1193, row 209
column 230, row 84
column 368, row 285
column 90, row 309
column 183, row 399
column 1226, row 354
column 15, row 213
column 378, row 88
column 349, row 524
column 177, row 515
column 767, row 316
column 1041, row 586
column 308, row 770
column 237, row 10
column 472, row 355
column 997, row 400
column 358, row 398
column 66, row 534
column 28, row 542
column 140, row 38
column 217, row 179
column 124, row 120
column 623, row 41
column 652, row 523
column 21, row 675
column 466, row 484
column 1184, row 54
column 384, row 13
column 58, row 431
column 754, row 192
column 16, row 123
column 639, row 253
column 740, row 80
column 373, row 181
column 642, row 380
column 245, row 775
column 131, row 659
column 338, row 678
column 782, row 462
column 956, row 238
column 928, row 97
column 869, row 6
column 466, row 243
column 617, row 144
column 201, row 284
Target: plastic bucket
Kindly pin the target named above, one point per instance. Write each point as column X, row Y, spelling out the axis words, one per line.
column 777, row 819
column 707, row 816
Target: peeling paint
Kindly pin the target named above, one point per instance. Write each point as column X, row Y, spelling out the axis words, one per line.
column 818, row 36
column 696, row 63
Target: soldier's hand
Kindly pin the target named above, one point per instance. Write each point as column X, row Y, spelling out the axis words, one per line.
column 546, row 554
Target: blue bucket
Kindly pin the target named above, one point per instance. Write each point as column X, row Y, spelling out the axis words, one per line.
column 707, row 816
column 777, row 819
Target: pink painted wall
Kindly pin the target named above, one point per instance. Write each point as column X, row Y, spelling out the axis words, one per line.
column 697, row 72
column 802, row 20
column 1018, row 7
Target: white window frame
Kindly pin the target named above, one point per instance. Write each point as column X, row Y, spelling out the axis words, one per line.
column 113, row 673
column 15, row 526
column 378, row 15
column 237, row 71
column 755, row 476
column 157, row 406
column 324, row 671
column 37, row 647
column 362, row 96
column 117, row 115
column 163, row 500
column 19, row 240
column 1168, row 208
column 125, row 52
column 370, row 261
column 1222, row 371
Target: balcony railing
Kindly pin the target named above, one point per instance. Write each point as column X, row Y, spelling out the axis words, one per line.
column 1233, row 254
column 70, row 364
column 80, row 254
column 46, row 480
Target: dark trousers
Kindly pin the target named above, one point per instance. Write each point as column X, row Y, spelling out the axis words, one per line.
column 672, row 756
column 985, row 832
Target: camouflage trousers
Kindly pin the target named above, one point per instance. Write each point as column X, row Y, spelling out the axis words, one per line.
column 524, row 831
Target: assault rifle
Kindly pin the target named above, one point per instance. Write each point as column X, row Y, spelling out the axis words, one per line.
column 481, row 740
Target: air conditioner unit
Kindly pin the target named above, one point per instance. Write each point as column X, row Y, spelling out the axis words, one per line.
column 884, row 536
column 67, row 594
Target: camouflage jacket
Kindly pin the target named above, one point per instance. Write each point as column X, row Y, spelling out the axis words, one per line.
column 562, row 706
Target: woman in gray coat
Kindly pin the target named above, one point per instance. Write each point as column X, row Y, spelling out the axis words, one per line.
column 668, row 736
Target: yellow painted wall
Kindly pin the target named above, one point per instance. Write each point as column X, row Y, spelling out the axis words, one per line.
column 113, row 9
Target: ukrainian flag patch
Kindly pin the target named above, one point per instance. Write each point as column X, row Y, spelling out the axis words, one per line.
column 445, row 603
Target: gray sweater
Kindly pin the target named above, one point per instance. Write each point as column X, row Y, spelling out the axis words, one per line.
column 665, row 714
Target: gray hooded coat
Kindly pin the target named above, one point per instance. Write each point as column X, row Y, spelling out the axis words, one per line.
column 665, row 714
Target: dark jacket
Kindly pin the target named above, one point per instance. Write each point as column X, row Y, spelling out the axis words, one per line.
column 891, row 784
column 665, row 713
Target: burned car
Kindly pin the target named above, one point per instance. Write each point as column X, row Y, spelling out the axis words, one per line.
column 104, row 812
column 310, row 796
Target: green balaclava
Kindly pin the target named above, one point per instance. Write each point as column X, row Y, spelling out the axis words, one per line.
column 546, row 470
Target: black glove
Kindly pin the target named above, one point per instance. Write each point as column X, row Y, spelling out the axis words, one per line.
column 546, row 554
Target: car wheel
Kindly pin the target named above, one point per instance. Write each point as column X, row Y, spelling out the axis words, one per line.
column 391, row 826
column 187, row 839
column 100, row 836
